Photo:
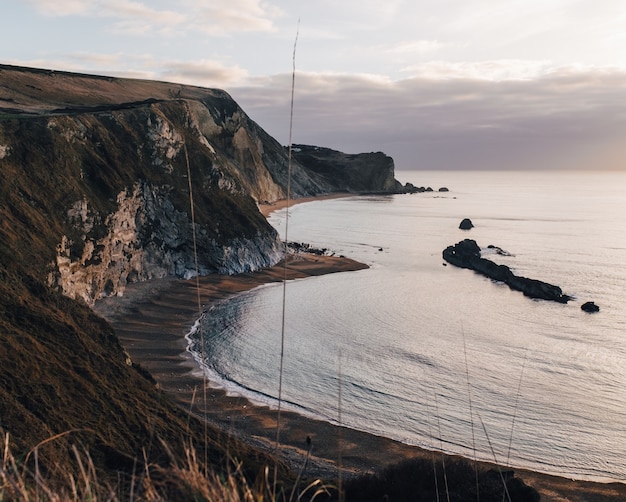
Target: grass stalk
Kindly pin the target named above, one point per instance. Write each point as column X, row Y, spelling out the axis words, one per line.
column 495, row 458
column 443, row 456
column 469, row 397
column 284, row 302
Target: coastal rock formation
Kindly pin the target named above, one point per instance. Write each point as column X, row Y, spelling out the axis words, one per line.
column 466, row 224
column 466, row 254
column 590, row 307
column 98, row 178
column 363, row 172
column 112, row 163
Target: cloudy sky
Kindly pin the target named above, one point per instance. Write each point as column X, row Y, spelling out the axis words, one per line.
column 437, row 84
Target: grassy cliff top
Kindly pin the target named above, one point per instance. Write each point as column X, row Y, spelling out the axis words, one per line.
column 39, row 91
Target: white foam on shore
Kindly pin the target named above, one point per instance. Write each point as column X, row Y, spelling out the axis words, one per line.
column 234, row 389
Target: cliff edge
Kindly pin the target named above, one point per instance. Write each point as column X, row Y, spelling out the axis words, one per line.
column 99, row 178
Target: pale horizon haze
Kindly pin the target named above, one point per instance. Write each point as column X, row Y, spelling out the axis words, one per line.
column 452, row 84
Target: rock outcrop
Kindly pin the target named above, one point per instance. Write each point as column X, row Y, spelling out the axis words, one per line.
column 98, row 178
column 590, row 307
column 112, row 164
column 363, row 172
column 466, row 254
column 466, row 224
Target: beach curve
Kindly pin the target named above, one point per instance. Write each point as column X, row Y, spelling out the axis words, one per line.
column 152, row 320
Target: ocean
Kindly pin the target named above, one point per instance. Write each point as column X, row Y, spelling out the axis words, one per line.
column 441, row 357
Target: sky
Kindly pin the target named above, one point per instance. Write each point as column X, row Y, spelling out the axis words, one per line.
column 436, row 84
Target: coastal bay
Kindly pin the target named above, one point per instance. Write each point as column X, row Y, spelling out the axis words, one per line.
column 152, row 320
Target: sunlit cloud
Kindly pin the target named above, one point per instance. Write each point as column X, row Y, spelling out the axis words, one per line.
column 203, row 73
column 418, row 47
column 62, row 7
column 216, row 17
column 497, row 70
column 136, row 17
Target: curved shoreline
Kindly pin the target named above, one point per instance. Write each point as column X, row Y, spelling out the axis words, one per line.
column 151, row 321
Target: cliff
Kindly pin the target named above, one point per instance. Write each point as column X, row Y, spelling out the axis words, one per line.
column 363, row 172
column 96, row 178
column 108, row 162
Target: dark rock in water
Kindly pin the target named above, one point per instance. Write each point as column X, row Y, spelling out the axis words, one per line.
column 466, row 254
column 444, row 189
column 466, row 224
column 590, row 307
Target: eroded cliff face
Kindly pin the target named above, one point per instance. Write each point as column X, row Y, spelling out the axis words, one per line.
column 100, row 196
column 98, row 175
column 358, row 173
column 146, row 237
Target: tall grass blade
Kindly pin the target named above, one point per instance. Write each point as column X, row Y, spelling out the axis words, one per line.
column 469, row 397
column 432, row 449
column 495, row 458
column 519, row 387
column 284, row 303
column 195, row 257
column 443, row 456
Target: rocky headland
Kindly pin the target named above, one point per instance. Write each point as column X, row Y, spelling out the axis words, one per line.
column 107, row 184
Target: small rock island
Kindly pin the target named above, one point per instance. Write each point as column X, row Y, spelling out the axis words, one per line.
column 466, row 254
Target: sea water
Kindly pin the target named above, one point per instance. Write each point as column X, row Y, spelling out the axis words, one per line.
column 441, row 357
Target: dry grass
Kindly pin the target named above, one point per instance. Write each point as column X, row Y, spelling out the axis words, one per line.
column 22, row 479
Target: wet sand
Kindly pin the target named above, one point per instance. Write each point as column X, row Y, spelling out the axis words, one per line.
column 266, row 209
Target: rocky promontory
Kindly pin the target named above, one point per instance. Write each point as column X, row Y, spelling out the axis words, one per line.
column 353, row 173
column 105, row 182
column 466, row 254
column 114, row 164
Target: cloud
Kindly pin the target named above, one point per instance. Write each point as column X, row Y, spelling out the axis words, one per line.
column 61, row 7
column 204, row 73
column 136, row 17
column 216, row 17
column 568, row 117
column 494, row 70
column 418, row 47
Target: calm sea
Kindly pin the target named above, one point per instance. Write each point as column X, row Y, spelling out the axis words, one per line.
column 441, row 357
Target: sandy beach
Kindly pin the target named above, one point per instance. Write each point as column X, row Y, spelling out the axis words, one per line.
column 266, row 209
column 152, row 319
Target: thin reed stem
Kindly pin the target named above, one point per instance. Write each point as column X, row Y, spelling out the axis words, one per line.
column 519, row 387
column 432, row 449
column 340, row 436
column 443, row 456
column 284, row 302
column 495, row 458
column 303, row 469
column 202, row 350
column 469, row 397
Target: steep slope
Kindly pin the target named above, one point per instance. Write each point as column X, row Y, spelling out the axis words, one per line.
column 96, row 182
column 356, row 173
column 95, row 193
